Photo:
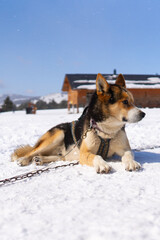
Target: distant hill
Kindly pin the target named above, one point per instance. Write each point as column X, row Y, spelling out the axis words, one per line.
column 19, row 99
column 57, row 97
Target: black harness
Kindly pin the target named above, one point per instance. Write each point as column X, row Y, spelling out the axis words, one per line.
column 104, row 143
column 103, row 147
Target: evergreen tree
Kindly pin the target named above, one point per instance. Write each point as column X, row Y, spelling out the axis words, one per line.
column 8, row 105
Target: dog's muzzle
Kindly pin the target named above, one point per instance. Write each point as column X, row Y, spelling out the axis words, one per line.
column 134, row 115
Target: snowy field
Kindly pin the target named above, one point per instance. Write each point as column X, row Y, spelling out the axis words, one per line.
column 75, row 203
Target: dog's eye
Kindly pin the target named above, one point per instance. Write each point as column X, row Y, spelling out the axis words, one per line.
column 125, row 102
column 111, row 100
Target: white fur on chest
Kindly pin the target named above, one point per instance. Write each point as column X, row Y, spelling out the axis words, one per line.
column 110, row 127
column 92, row 141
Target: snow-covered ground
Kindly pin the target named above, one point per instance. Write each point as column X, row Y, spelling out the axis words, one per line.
column 75, row 203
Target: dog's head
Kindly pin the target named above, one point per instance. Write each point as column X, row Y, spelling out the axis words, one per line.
column 116, row 101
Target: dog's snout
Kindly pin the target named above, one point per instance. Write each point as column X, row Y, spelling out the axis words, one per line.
column 135, row 115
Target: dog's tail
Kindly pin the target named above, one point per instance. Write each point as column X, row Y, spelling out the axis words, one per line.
column 21, row 152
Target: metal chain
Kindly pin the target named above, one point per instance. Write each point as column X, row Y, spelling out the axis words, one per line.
column 44, row 169
column 32, row 173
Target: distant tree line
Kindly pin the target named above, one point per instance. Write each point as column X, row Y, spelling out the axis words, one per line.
column 8, row 105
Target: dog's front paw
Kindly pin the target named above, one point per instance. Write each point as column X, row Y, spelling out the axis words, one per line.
column 100, row 165
column 23, row 161
column 129, row 162
column 38, row 160
column 132, row 165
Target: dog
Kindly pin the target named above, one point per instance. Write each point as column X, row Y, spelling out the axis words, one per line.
column 98, row 134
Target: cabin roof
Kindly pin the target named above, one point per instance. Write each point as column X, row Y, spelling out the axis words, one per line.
column 88, row 81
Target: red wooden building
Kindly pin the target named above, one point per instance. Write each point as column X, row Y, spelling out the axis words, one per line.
column 145, row 88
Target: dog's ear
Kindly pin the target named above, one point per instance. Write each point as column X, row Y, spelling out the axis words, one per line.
column 120, row 81
column 102, row 85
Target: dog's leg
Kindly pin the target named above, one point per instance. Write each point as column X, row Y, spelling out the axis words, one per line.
column 45, row 146
column 24, row 161
column 90, row 159
column 40, row 160
column 129, row 162
column 123, row 149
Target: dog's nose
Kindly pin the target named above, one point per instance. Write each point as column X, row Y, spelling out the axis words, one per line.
column 142, row 114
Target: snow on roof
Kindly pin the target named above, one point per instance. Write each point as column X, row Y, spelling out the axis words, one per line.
column 151, row 82
column 85, row 81
column 92, row 87
column 154, row 79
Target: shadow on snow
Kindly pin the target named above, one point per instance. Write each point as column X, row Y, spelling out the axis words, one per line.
column 147, row 157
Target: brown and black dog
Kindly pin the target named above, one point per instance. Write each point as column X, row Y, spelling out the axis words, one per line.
column 110, row 108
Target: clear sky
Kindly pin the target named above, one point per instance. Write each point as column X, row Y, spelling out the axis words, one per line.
column 42, row 40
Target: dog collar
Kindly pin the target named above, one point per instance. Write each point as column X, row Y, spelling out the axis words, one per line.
column 94, row 125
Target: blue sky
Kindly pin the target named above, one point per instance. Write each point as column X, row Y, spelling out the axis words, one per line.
column 42, row 40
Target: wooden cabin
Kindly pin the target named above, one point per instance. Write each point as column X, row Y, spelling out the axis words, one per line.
column 145, row 88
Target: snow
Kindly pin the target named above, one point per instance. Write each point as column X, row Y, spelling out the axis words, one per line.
column 85, row 81
column 154, row 79
column 87, row 86
column 129, row 85
column 74, row 202
column 152, row 82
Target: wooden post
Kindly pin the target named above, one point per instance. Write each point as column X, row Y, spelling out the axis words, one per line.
column 73, row 100
column 77, row 108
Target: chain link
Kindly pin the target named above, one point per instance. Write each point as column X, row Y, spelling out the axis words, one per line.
column 44, row 169
column 32, row 173
column 85, row 133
